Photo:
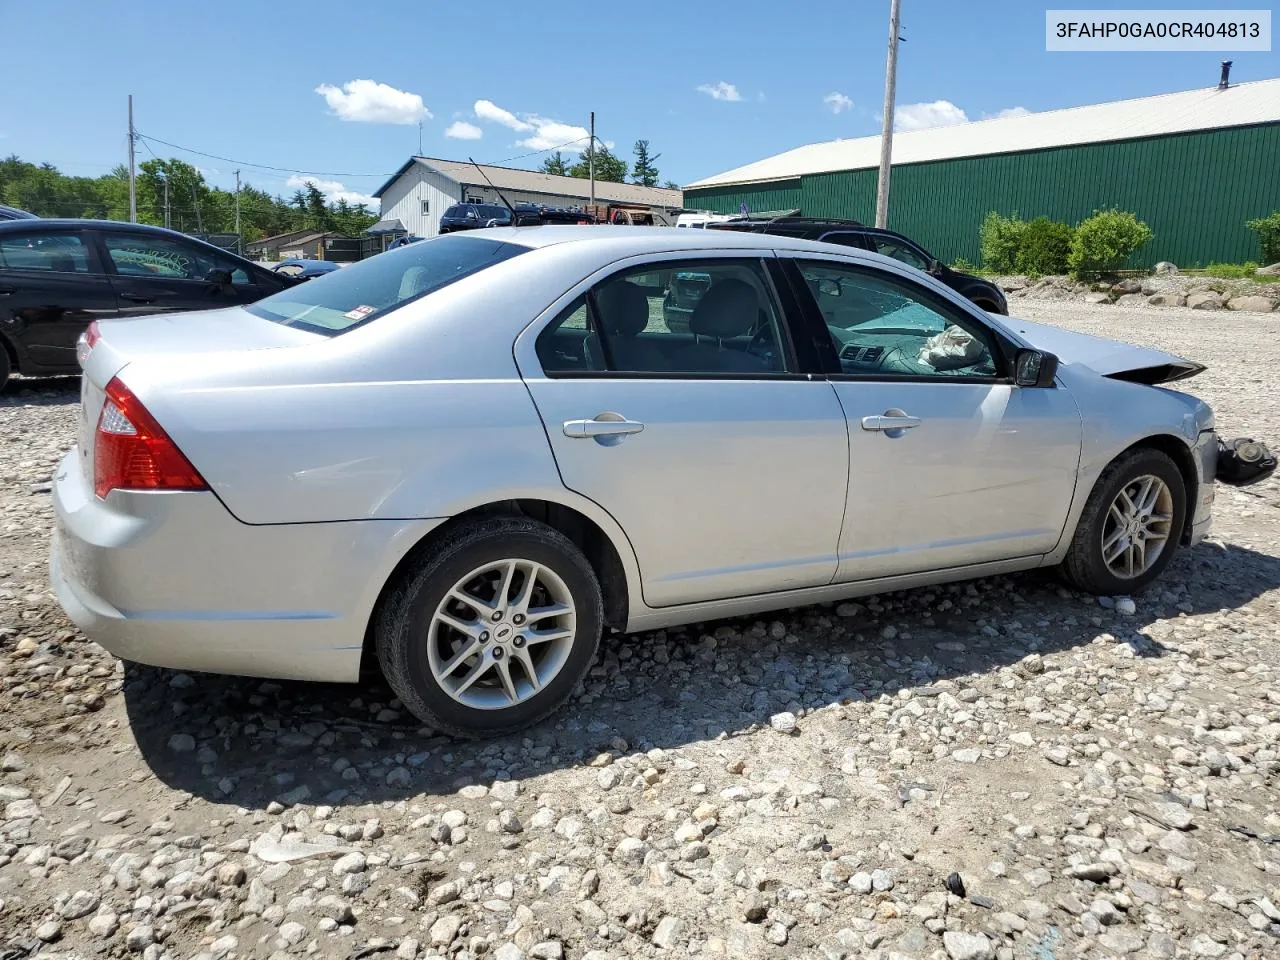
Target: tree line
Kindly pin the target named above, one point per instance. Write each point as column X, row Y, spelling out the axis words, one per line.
column 644, row 171
column 193, row 206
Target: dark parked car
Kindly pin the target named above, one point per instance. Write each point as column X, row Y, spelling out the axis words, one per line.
column 58, row 275
column 851, row 233
column 13, row 213
column 477, row 216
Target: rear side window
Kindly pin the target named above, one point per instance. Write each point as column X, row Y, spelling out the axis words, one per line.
column 338, row 301
column 49, row 252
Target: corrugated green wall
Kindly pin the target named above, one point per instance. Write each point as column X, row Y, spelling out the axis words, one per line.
column 1195, row 190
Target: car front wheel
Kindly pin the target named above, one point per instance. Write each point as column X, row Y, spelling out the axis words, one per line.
column 492, row 631
column 1131, row 525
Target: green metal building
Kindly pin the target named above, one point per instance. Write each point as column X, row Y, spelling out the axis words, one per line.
column 1194, row 165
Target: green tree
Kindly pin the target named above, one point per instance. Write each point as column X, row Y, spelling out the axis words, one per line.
column 555, row 165
column 671, row 185
column 1103, row 242
column 608, row 167
column 644, row 171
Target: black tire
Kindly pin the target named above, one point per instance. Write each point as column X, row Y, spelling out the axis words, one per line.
column 401, row 631
column 1084, row 566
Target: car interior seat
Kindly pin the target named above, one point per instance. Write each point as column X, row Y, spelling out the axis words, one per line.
column 623, row 314
column 730, row 309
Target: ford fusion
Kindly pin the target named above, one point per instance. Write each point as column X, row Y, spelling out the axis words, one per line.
column 470, row 456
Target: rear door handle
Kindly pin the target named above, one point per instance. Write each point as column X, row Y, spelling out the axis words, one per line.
column 892, row 422
column 604, row 425
column 136, row 298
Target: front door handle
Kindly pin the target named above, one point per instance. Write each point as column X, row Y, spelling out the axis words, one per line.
column 603, row 427
column 892, row 423
column 136, row 298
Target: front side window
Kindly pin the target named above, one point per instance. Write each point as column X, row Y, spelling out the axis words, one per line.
column 139, row 255
column 47, row 252
column 901, row 252
column 880, row 325
column 709, row 317
column 346, row 298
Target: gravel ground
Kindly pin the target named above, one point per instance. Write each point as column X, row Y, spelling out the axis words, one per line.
column 996, row 769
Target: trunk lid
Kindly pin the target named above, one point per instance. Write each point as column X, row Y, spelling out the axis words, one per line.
column 1110, row 358
column 122, row 341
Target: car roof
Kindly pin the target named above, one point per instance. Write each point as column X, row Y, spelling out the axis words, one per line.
column 52, row 223
column 640, row 240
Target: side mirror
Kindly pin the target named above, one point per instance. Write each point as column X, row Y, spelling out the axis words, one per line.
column 1034, row 368
column 221, row 278
column 934, row 268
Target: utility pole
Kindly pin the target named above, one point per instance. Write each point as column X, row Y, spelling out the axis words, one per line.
column 166, row 200
column 886, row 135
column 591, row 158
column 196, row 201
column 419, row 138
column 239, row 243
column 133, row 187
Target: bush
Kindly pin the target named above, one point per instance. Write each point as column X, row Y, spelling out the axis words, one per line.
column 961, row 265
column 1268, row 231
column 1103, row 242
column 1044, row 247
column 1000, row 238
column 1232, row 271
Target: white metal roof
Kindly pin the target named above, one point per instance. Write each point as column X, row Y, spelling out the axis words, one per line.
column 1239, row 105
column 532, row 181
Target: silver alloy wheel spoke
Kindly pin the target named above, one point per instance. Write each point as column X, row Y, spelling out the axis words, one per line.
column 505, row 611
column 1137, row 527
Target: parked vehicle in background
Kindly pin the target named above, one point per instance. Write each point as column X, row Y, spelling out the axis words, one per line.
column 478, row 216
column 699, row 221
column 446, row 457
column 851, row 233
column 58, row 275
column 623, row 214
column 403, row 241
column 13, row 213
column 300, row 268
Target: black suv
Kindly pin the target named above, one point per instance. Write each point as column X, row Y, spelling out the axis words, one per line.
column 58, row 275
column 851, row 233
column 476, row 216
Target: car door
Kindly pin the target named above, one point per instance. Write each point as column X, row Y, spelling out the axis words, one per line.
column 950, row 463
column 51, row 288
column 725, row 465
column 154, row 273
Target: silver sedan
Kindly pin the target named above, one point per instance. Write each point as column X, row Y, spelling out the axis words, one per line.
column 472, row 455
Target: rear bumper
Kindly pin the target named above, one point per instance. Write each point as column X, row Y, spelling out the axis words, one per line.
column 173, row 580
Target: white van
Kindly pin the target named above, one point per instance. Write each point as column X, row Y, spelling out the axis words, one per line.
column 699, row 221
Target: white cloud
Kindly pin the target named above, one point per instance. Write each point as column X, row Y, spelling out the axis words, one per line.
column 837, row 102
column 919, row 116
column 461, row 130
column 333, row 190
column 366, row 101
column 720, row 91
column 544, row 134
column 488, row 110
column 1009, row 112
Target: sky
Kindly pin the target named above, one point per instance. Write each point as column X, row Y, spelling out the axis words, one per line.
column 334, row 92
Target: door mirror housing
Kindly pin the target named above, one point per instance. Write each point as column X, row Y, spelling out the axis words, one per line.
column 221, row 278
column 934, row 268
column 1034, row 368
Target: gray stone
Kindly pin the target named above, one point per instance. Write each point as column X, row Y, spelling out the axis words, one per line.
column 292, row 932
column 140, row 937
column 783, row 722
column 967, row 755
column 1251, row 304
column 1165, row 267
column 508, row 951
column 967, row 946
column 1204, row 300
column 81, row 904
column 861, row 882
column 1271, row 271
column 1203, row 945
column 49, row 931
column 444, row 930
column 669, row 933
column 1127, row 286
column 1167, row 300
column 1121, row 942
column 182, row 743
column 1096, row 297
column 353, row 862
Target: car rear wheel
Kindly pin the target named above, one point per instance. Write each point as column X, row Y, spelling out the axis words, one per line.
column 1130, row 526
column 492, row 631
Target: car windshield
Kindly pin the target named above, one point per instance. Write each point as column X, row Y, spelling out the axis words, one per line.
column 344, row 299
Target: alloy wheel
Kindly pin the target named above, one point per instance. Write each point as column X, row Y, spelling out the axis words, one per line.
column 1136, row 530
column 501, row 634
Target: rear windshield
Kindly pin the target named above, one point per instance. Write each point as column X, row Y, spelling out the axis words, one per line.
column 346, row 298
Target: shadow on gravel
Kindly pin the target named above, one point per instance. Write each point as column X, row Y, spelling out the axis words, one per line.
column 256, row 741
column 40, row 391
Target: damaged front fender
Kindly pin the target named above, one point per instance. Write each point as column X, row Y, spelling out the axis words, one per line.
column 1244, row 461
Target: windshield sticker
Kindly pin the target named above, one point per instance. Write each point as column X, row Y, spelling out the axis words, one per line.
column 360, row 312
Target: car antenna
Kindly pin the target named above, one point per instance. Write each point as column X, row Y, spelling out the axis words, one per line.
column 515, row 220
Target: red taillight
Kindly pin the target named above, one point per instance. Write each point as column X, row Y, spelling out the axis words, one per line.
column 85, row 344
column 132, row 451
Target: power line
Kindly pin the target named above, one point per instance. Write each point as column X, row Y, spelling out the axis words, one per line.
column 537, row 152
column 259, row 166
